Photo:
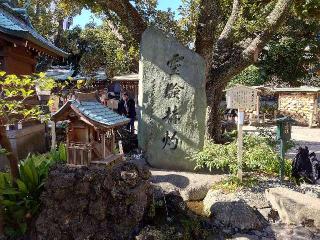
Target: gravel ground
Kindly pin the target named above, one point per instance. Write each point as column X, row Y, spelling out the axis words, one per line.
column 303, row 136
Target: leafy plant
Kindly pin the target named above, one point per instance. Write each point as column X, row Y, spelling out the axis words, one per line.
column 59, row 155
column 15, row 106
column 21, row 201
column 3, row 151
column 250, row 76
column 259, row 155
column 217, row 156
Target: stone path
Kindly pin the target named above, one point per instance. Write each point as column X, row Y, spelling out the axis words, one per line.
column 305, row 136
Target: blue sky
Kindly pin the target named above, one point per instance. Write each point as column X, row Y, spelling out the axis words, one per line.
column 86, row 16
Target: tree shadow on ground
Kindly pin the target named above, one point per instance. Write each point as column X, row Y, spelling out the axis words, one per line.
column 174, row 179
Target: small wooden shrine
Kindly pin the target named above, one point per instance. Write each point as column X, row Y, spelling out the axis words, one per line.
column 302, row 104
column 91, row 130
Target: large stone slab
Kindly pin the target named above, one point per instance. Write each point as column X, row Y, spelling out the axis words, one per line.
column 294, row 207
column 172, row 102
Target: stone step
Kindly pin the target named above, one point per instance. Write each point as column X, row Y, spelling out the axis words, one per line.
column 112, row 159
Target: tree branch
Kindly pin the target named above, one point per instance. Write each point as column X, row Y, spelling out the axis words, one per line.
column 226, row 33
column 128, row 15
column 209, row 18
column 229, row 59
column 274, row 20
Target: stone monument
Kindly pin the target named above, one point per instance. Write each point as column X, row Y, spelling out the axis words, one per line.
column 172, row 102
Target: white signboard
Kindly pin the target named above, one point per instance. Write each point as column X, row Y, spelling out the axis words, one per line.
column 241, row 97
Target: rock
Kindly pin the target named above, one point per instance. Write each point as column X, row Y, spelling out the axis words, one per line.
column 195, row 192
column 232, row 212
column 265, row 212
column 93, row 202
column 253, row 199
column 152, row 233
column 311, row 189
column 173, row 102
column 239, row 236
column 191, row 186
column 302, row 233
column 294, row 207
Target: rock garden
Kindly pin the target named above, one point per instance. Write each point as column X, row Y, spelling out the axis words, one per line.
column 159, row 120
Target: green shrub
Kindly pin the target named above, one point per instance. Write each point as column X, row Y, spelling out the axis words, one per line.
column 59, row 155
column 3, row 151
column 217, row 156
column 21, row 201
column 259, row 155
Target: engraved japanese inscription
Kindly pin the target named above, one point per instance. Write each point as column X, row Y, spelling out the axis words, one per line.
column 172, row 102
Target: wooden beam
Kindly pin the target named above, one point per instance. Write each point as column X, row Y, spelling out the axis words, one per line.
column 104, row 145
column 22, row 42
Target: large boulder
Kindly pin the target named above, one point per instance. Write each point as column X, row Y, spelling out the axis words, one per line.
column 93, row 202
column 195, row 192
column 294, row 207
column 229, row 211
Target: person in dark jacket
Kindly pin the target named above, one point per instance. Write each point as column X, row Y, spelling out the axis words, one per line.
column 126, row 106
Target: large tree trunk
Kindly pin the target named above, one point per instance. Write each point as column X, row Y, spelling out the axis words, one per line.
column 57, row 40
column 1, row 222
column 13, row 160
column 229, row 59
column 214, row 113
column 224, row 58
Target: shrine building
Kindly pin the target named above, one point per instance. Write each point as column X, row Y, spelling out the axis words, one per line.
column 91, row 130
column 20, row 43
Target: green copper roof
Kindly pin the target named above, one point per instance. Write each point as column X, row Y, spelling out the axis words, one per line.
column 15, row 22
column 97, row 112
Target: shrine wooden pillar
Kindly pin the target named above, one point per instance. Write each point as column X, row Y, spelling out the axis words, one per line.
column 104, row 144
column 53, row 135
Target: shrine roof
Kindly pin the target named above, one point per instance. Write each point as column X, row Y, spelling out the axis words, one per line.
column 298, row 89
column 239, row 86
column 127, row 77
column 15, row 22
column 92, row 111
column 63, row 73
column 99, row 113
